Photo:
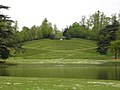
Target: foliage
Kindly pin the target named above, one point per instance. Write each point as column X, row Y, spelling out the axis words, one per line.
column 87, row 28
column 75, row 31
column 66, row 34
column 46, row 28
column 106, row 36
column 39, row 33
column 7, row 35
column 36, row 32
column 115, row 47
column 4, row 52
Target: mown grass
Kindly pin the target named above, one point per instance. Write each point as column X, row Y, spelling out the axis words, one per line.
column 65, row 49
column 22, row 83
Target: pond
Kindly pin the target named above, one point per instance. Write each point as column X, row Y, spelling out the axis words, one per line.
column 109, row 71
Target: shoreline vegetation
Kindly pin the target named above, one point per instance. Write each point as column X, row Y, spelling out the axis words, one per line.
column 59, row 61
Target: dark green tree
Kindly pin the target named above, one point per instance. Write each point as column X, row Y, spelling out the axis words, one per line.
column 4, row 52
column 76, row 31
column 7, row 35
column 66, row 34
column 106, row 36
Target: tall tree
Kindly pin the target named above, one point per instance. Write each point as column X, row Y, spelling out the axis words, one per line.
column 26, row 34
column 46, row 28
column 39, row 33
column 7, row 35
column 98, row 21
column 106, row 36
column 34, row 32
column 83, row 21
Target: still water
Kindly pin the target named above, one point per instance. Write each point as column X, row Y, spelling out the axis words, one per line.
column 109, row 71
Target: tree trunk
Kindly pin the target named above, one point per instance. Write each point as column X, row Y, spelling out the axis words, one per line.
column 115, row 55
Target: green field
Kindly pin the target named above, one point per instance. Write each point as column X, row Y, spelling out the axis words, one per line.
column 22, row 83
column 75, row 51
column 36, row 83
column 56, row 51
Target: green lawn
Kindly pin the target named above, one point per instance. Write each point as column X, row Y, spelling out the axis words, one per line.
column 21, row 83
column 65, row 49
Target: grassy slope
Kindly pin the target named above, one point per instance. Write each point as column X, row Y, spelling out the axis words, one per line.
column 66, row 49
column 56, row 49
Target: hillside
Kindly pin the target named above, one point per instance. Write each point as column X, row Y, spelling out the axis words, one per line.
column 56, row 49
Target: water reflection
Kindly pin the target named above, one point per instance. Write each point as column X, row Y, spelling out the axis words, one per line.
column 3, row 71
column 117, row 71
column 107, row 71
column 110, row 71
column 102, row 74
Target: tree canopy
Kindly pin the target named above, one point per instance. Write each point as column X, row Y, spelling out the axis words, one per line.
column 7, row 35
column 106, row 36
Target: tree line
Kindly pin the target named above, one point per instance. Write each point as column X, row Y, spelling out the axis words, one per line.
column 104, row 30
column 37, row 32
column 99, row 27
column 89, row 28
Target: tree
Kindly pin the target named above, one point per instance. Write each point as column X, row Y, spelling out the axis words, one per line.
column 34, row 32
column 115, row 47
column 16, row 26
column 66, row 34
column 56, row 32
column 18, row 36
column 39, row 33
column 26, row 34
column 76, row 31
column 83, row 20
column 46, row 28
column 106, row 36
column 4, row 52
column 7, row 35
column 96, row 22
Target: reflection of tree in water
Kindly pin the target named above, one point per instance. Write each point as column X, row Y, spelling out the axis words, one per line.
column 102, row 74
column 111, row 72
column 117, row 71
column 3, row 70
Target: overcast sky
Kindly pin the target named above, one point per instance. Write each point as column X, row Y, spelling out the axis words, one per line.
column 60, row 12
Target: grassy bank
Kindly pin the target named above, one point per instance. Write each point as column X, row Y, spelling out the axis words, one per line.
column 58, row 61
column 21, row 83
column 56, row 51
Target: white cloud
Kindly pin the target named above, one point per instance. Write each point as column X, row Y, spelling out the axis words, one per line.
column 60, row 12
